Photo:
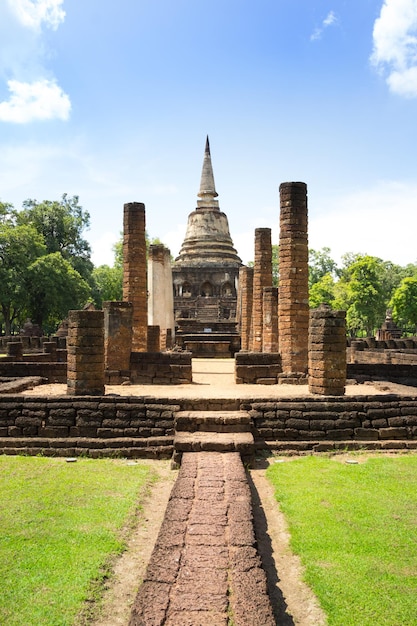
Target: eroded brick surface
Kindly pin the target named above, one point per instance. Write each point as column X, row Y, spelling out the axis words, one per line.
column 205, row 569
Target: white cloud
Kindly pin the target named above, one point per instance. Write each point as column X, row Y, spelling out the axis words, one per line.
column 33, row 13
column 395, row 45
column 40, row 100
column 329, row 20
column 380, row 221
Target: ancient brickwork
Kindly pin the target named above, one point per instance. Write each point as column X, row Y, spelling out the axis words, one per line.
column 161, row 368
column 154, row 339
column 134, row 271
column 143, row 426
column 257, row 368
column 293, row 310
column 204, row 553
column 117, row 335
column 245, row 304
column 262, row 277
column 85, row 348
column 327, row 351
column 270, row 319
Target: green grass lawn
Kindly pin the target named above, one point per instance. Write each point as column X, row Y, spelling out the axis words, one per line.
column 60, row 525
column 355, row 529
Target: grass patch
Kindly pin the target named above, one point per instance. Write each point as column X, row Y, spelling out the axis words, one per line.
column 60, row 525
column 355, row 529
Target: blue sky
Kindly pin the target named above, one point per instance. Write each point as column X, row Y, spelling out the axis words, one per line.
column 112, row 101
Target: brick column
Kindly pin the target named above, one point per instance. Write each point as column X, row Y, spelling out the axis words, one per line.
column 327, row 352
column 293, row 309
column 85, row 346
column 134, row 271
column 262, row 277
column 270, row 319
column 154, row 339
column 117, row 335
column 246, row 300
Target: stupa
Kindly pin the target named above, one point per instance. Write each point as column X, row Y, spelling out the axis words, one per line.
column 205, row 276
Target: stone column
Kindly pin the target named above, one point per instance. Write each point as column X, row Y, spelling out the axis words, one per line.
column 117, row 335
column 85, row 346
column 246, row 301
column 270, row 320
column 161, row 297
column 327, row 352
column 154, row 342
column 293, row 309
column 134, row 271
column 262, row 277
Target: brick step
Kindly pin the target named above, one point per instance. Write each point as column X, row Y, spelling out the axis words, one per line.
column 130, row 447
column 213, row 421
column 214, row 442
column 299, row 446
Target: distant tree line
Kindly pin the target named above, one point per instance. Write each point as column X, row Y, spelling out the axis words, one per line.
column 46, row 270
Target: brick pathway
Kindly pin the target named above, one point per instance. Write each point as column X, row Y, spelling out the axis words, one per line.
column 205, row 570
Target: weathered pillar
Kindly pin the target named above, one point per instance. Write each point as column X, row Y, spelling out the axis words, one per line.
column 85, row 346
column 293, row 309
column 270, row 319
column 245, row 306
column 327, row 352
column 161, row 297
column 154, row 343
column 117, row 335
column 14, row 349
column 262, row 277
column 134, row 271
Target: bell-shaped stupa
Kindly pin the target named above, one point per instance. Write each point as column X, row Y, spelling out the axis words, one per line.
column 205, row 275
column 207, row 239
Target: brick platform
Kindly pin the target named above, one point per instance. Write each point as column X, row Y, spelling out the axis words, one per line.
column 205, row 570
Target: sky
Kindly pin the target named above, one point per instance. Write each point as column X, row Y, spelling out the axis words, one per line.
column 112, row 102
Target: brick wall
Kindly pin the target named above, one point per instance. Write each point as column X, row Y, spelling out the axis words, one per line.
column 143, row 427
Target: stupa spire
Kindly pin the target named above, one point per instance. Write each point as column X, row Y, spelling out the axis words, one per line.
column 207, row 193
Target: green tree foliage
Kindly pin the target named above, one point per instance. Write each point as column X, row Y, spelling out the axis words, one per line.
column 54, row 287
column 320, row 264
column 61, row 223
column 322, row 292
column 361, row 293
column 19, row 247
column 41, row 244
column 404, row 304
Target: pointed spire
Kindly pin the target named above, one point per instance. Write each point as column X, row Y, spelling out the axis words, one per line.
column 207, row 191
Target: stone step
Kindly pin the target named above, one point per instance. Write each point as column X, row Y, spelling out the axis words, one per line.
column 213, row 421
column 214, row 442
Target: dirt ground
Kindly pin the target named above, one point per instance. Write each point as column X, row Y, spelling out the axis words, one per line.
column 214, row 378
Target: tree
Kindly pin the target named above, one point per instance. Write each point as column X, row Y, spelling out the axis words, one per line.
column 54, row 287
column 61, row 223
column 404, row 304
column 360, row 292
column 322, row 292
column 319, row 264
column 19, row 247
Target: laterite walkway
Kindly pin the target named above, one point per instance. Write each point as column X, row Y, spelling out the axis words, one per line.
column 205, row 570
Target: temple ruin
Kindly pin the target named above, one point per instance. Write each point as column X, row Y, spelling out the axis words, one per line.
column 206, row 276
